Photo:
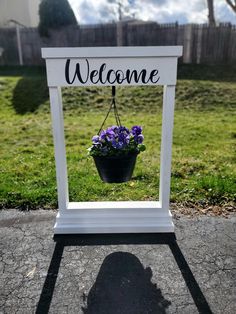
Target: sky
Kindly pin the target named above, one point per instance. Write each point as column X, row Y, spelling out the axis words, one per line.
column 161, row 11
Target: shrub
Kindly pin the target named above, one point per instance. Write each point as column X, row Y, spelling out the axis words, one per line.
column 55, row 14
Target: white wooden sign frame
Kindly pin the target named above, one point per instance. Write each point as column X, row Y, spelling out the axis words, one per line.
column 105, row 66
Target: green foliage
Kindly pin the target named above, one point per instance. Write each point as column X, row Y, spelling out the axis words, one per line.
column 55, row 14
column 204, row 142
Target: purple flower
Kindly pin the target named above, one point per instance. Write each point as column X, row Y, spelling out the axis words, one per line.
column 114, row 128
column 113, row 143
column 103, row 136
column 136, row 130
column 118, row 144
column 116, row 140
column 110, row 135
column 119, row 141
column 123, row 129
column 96, row 139
column 127, row 139
column 139, row 139
column 121, row 137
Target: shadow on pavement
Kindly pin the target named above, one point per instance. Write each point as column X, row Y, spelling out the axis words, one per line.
column 50, row 281
column 122, row 269
column 123, row 285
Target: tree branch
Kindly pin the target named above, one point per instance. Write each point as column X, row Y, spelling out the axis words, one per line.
column 211, row 15
column 233, row 6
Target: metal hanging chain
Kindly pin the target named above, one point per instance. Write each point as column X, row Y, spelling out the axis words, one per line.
column 114, row 107
column 117, row 117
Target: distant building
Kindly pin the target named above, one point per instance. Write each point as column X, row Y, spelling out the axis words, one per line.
column 24, row 12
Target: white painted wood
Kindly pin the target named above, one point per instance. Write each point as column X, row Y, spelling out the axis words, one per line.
column 126, row 205
column 113, row 217
column 165, row 71
column 166, row 68
column 166, row 145
column 70, row 223
column 141, row 228
column 109, row 228
column 115, row 210
column 59, row 146
column 112, row 52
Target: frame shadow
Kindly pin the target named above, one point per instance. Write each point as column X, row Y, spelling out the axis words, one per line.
column 169, row 239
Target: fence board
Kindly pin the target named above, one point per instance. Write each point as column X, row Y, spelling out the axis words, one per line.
column 202, row 44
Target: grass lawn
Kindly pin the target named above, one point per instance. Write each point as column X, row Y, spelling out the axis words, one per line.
column 204, row 145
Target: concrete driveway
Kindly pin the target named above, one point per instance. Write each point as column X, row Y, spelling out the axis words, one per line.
column 117, row 274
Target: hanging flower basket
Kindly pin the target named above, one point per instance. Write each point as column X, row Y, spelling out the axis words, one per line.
column 115, row 169
column 115, row 149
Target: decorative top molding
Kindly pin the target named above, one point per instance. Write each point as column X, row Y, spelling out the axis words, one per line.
column 107, row 66
column 112, row 52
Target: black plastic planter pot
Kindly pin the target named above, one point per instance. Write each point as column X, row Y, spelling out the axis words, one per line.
column 115, row 169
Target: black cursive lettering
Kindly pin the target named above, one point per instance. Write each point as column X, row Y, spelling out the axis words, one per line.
column 109, row 73
column 67, row 70
column 102, row 69
column 152, row 74
column 92, row 76
column 110, row 76
column 77, row 73
column 120, row 76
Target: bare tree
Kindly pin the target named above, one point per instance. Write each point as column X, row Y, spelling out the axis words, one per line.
column 211, row 16
column 232, row 4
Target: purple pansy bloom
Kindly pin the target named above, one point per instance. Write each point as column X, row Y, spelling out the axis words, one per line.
column 123, row 129
column 117, row 140
column 114, row 128
column 122, row 137
column 110, row 135
column 136, row 130
column 113, row 143
column 139, row 139
column 127, row 139
column 103, row 135
column 96, row 139
column 118, row 145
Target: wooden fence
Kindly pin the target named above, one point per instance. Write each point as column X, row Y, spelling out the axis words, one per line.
column 202, row 44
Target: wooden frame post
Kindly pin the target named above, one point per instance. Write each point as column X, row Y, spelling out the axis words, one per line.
column 166, row 144
column 59, row 147
column 108, row 66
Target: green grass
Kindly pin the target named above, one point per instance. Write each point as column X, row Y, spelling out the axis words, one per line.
column 204, row 144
